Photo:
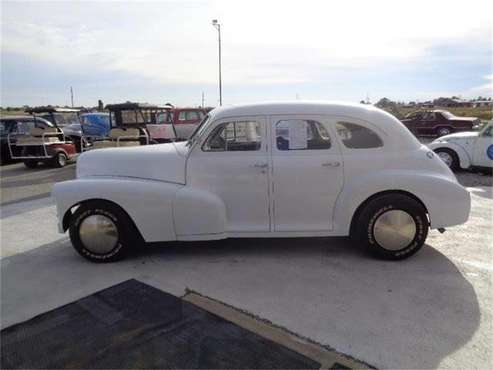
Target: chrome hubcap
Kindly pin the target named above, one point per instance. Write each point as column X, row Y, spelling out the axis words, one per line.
column 444, row 132
column 394, row 230
column 98, row 233
column 61, row 159
column 446, row 157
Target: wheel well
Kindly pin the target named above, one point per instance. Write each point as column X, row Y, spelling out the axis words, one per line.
column 444, row 149
column 377, row 195
column 69, row 213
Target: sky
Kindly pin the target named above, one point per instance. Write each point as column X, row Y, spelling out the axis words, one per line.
column 167, row 51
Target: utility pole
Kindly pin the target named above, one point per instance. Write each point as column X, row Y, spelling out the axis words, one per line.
column 217, row 26
column 72, row 96
column 203, row 99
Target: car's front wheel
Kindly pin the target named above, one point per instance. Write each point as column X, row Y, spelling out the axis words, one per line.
column 392, row 226
column 449, row 157
column 101, row 231
column 59, row 160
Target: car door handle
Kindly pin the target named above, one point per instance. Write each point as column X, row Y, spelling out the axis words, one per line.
column 331, row 164
column 260, row 165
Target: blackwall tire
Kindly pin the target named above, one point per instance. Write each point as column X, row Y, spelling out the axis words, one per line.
column 30, row 163
column 449, row 157
column 392, row 227
column 60, row 160
column 101, row 232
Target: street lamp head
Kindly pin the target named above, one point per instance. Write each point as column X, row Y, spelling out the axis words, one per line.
column 215, row 23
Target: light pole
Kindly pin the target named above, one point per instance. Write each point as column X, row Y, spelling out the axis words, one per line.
column 217, row 26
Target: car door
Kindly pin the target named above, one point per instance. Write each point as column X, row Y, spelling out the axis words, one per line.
column 427, row 123
column 232, row 162
column 307, row 173
column 483, row 148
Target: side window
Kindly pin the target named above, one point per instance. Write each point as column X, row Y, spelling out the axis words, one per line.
column 23, row 127
column 182, row 116
column 192, row 116
column 488, row 132
column 234, row 136
column 297, row 134
column 354, row 136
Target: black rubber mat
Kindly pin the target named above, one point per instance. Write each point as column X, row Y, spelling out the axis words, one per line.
column 133, row 325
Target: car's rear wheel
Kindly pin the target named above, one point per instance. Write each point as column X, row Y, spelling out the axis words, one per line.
column 101, row 231
column 392, row 226
column 60, row 160
column 442, row 131
column 449, row 157
column 31, row 163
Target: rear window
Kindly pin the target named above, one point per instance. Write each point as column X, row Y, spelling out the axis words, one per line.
column 355, row 136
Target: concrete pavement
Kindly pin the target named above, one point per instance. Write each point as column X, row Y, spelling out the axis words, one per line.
column 433, row 310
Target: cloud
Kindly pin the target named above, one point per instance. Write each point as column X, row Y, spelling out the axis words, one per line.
column 263, row 42
column 292, row 45
column 485, row 90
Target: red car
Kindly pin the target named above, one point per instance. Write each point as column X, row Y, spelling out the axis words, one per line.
column 184, row 119
column 437, row 123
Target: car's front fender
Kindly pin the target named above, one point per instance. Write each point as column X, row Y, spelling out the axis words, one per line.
column 462, row 154
column 148, row 203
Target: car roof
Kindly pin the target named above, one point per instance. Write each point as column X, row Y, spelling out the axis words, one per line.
column 131, row 106
column 49, row 109
column 25, row 118
column 95, row 114
column 297, row 107
column 390, row 125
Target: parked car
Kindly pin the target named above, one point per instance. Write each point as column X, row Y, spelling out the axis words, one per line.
column 184, row 119
column 91, row 125
column 466, row 149
column 42, row 143
column 266, row 170
column 17, row 125
column 437, row 123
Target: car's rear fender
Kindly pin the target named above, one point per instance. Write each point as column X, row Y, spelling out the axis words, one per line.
column 446, row 201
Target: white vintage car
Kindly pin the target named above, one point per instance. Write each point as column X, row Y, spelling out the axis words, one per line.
column 466, row 149
column 266, row 170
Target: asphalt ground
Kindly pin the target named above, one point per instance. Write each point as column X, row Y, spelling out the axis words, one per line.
column 432, row 310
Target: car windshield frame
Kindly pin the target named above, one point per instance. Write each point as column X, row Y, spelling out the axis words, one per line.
column 447, row 114
column 198, row 130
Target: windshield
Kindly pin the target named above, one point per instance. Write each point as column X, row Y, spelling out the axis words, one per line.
column 4, row 128
column 198, row 131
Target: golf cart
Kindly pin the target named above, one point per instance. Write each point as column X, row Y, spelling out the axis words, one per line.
column 133, row 124
column 46, row 144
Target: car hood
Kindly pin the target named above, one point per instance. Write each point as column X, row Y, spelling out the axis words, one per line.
column 161, row 162
column 459, row 135
column 74, row 129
